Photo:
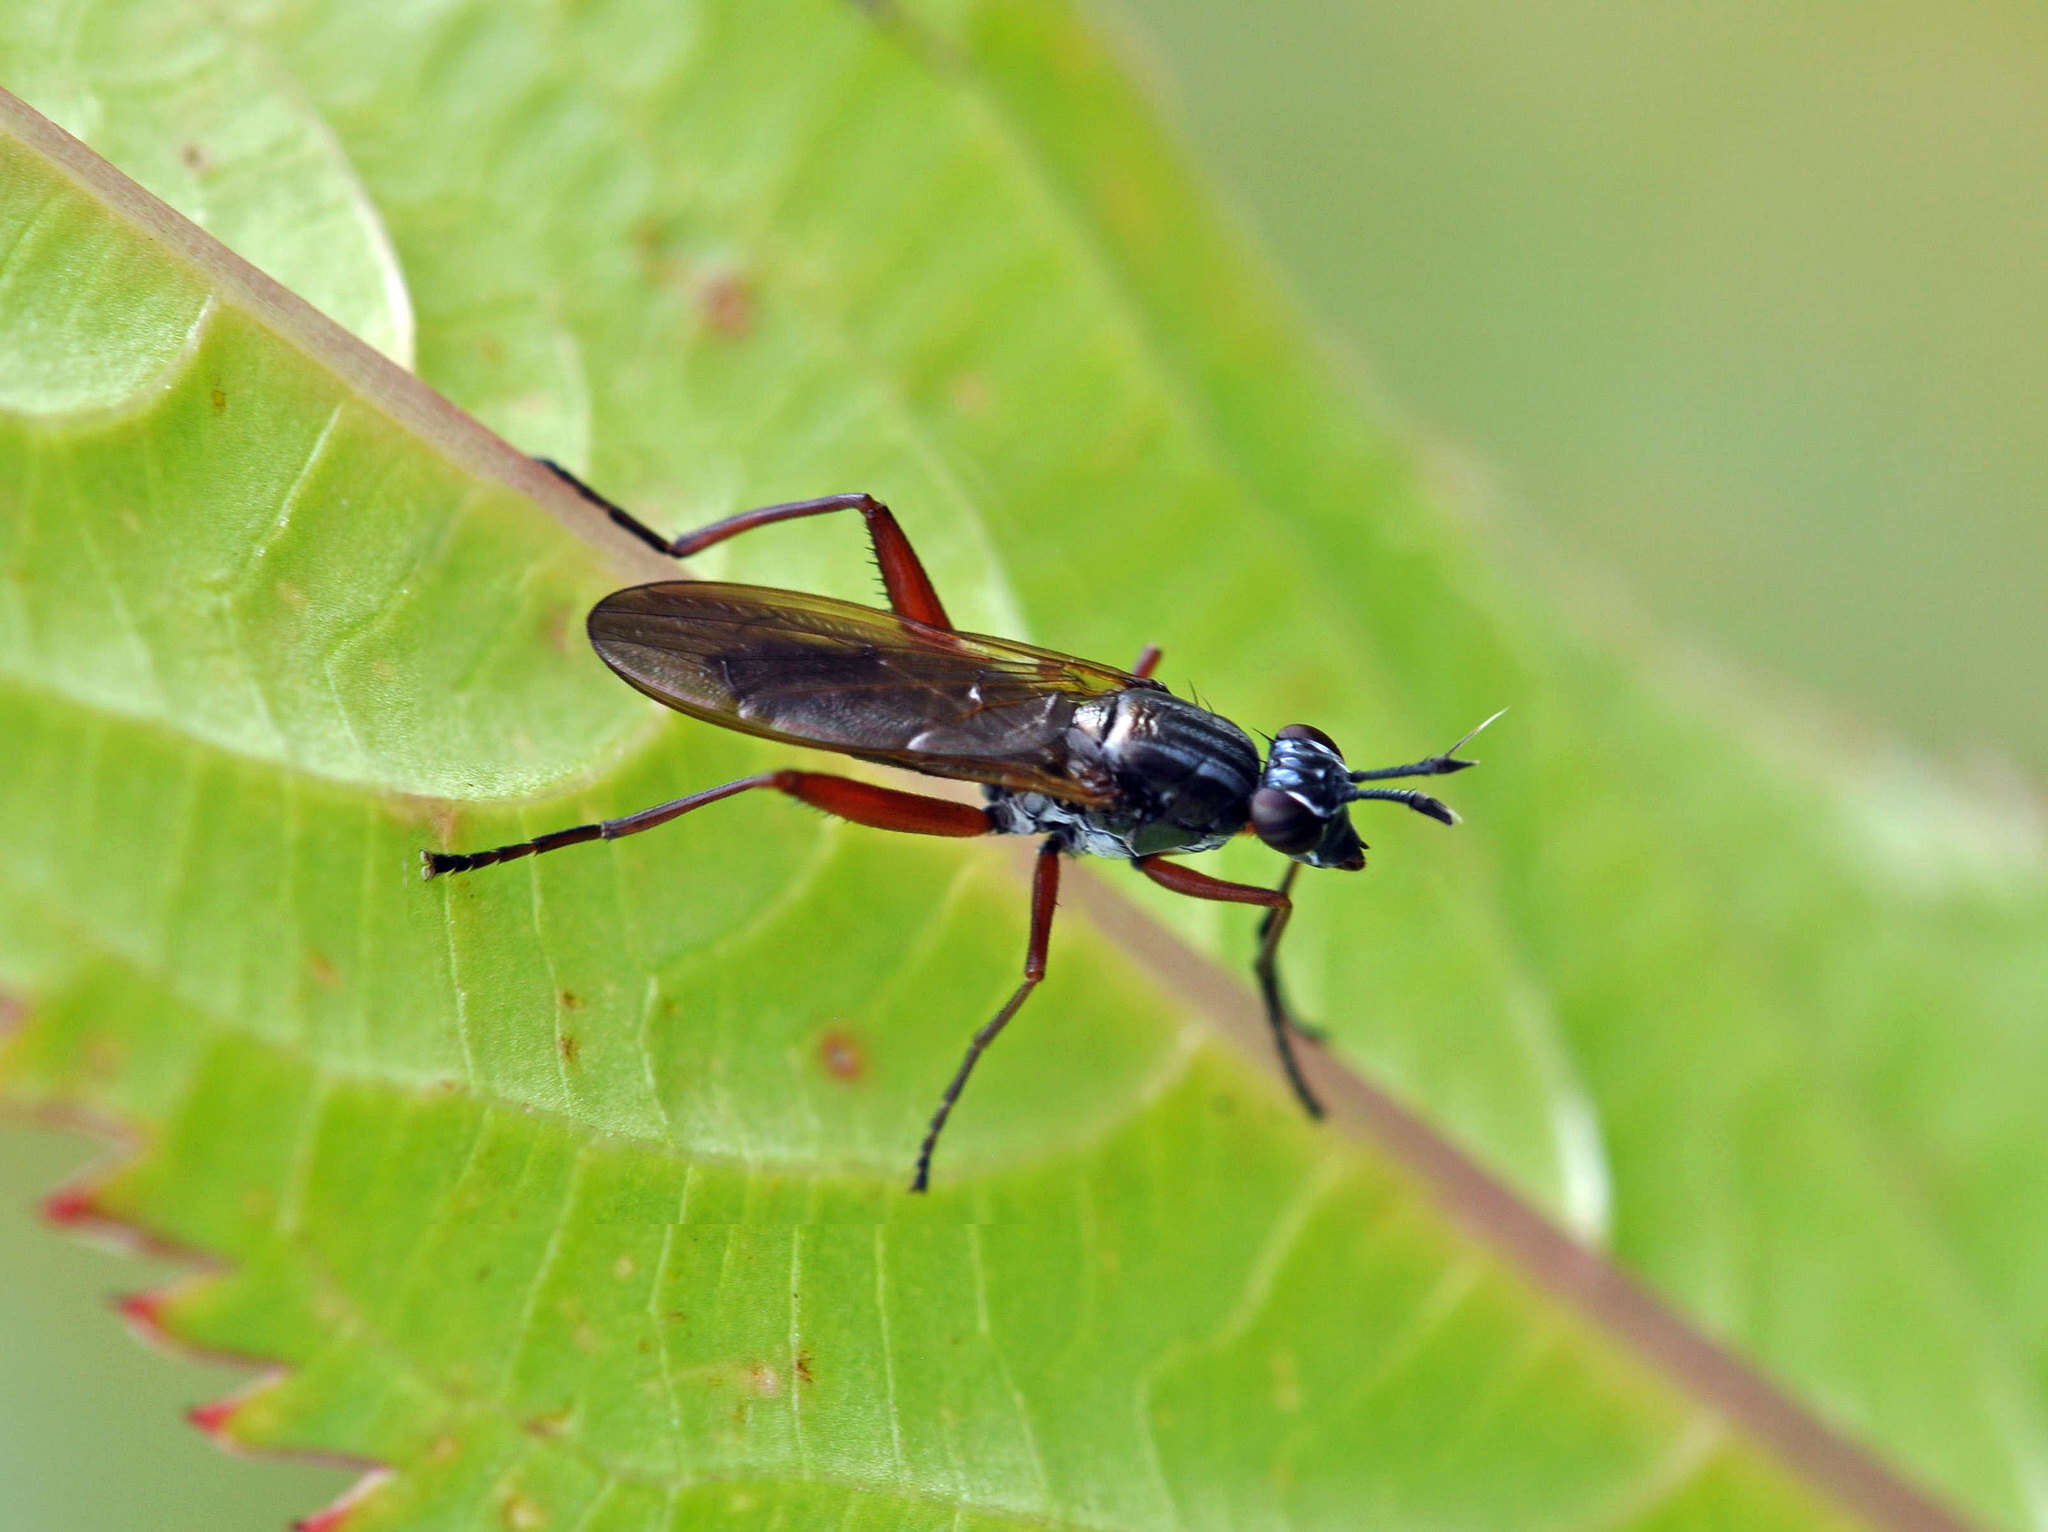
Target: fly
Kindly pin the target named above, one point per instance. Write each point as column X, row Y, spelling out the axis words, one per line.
column 1097, row 761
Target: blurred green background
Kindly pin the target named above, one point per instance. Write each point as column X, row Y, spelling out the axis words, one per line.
column 1731, row 315
column 1745, row 306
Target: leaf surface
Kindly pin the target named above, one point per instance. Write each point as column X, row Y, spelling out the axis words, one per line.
column 570, row 1189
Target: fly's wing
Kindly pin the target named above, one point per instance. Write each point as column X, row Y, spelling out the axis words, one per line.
column 810, row 670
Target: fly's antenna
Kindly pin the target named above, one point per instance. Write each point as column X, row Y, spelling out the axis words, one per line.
column 1474, row 732
column 1422, row 803
column 1438, row 765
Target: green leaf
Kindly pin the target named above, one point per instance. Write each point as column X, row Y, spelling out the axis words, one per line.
column 571, row 1189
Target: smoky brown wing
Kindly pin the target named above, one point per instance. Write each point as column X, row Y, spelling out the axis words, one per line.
column 810, row 670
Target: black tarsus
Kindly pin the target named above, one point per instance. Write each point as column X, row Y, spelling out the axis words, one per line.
column 434, row 863
column 618, row 513
column 1278, row 1016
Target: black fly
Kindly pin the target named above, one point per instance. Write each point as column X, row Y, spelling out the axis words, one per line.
column 1098, row 761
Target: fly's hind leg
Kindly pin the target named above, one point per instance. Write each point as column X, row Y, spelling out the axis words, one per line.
column 910, row 588
column 861, row 802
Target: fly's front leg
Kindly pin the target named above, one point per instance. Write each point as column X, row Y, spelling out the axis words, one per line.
column 1265, row 966
column 910, row 588
column 1279, row 907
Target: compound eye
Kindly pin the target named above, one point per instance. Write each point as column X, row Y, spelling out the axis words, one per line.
column 1284, row 822
column 1310, row 732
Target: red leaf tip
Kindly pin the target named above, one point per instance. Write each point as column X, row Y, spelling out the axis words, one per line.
column 145, row 1311
column 330, row 1519
column 213, row 1418
column 70, row 1205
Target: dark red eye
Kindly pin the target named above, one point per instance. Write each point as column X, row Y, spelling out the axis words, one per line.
column 1284, row 822
column 1309, row 731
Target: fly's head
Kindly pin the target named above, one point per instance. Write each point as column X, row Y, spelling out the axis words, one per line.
column 1300, row 807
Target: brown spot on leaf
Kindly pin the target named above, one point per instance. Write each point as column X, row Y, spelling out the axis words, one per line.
column 646, row 237
column 437, row 817
column 725, row 299
column 568, row 1047
column 219, row 398
column 549, row 1425
column 324, row 972
column 764, row 1380
column 195, row 158
column 1286, row 1383
column 571, row 1001
column 554, row 628
column 1126, row 202
column 522, row 1513
column 972, row 395
column 841, row 1054
column 803, row 1368
column 623, row 1267
column 103, row 1056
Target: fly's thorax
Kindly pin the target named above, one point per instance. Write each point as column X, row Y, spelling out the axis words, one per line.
column 1168, row 776
column 1179, row 763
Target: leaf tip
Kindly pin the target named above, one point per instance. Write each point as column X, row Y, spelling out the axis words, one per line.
column 214, row 1416
column 77, row 1208
column 144, row 1313
column 332, row 1517
column 73, row 1206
